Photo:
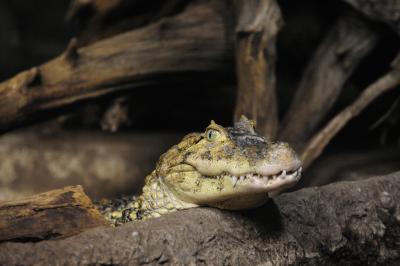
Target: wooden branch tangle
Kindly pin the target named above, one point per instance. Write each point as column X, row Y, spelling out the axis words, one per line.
column 199, row 39
column 341, row 51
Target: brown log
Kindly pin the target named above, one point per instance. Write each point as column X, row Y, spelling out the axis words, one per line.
column 196, row 40
column 54, row 214
column 341, row 51
column 257, row 26
column 344, row 223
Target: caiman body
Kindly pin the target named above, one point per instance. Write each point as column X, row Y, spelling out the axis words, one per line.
column 228, row 168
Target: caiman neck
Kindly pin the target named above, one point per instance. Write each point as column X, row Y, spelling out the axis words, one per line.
column 157, row 199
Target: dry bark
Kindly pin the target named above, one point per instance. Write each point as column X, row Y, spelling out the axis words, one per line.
column 257, row 26
column 344, row 223
column 197, row 40
column 317, row 143
column 106, row 165
column 341, row 51
column 387, row 11
column 54, row 214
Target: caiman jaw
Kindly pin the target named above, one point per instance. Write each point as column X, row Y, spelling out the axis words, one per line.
column 256, row 182
column 266, row 182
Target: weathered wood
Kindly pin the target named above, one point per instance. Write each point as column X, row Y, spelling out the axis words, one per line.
column 316, row 145
column 387, row 11
column 338, row 55
column 340, row 224
column 54, row 214
column 196, row 40
column 257, row 27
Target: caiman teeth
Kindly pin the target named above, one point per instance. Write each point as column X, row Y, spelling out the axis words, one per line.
column 280, row 176
column 234, row 181
column 284, row 174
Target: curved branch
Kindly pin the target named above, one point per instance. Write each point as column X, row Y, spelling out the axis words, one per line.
column 194, row 41
column 347, row 43
column 317, row 144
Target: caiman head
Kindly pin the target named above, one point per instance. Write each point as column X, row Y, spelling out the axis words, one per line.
column 230, row 168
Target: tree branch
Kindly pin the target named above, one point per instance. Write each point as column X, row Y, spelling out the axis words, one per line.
column 349, row 41
column 317, row 144
column 194, row 41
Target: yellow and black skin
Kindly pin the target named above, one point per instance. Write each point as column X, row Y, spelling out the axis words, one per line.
column 229, row 168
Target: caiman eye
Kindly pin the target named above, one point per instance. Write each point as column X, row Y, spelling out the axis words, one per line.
column 212, row 134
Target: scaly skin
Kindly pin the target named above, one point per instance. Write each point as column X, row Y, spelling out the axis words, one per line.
column 228, row 168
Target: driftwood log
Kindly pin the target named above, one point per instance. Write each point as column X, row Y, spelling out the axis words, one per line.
column 196, row 40
column 342, row 223
column 54, row 214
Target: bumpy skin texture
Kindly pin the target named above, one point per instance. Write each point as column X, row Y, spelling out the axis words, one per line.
column 228, row 168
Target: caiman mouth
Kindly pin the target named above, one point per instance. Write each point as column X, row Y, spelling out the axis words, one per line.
column 265, row 179
column 260, row 179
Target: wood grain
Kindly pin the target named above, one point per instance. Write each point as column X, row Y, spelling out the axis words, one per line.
column 54, row 214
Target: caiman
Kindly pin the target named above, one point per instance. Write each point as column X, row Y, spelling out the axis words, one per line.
column 229, row 168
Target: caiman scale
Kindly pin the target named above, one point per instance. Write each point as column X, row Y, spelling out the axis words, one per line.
column 229, row 168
